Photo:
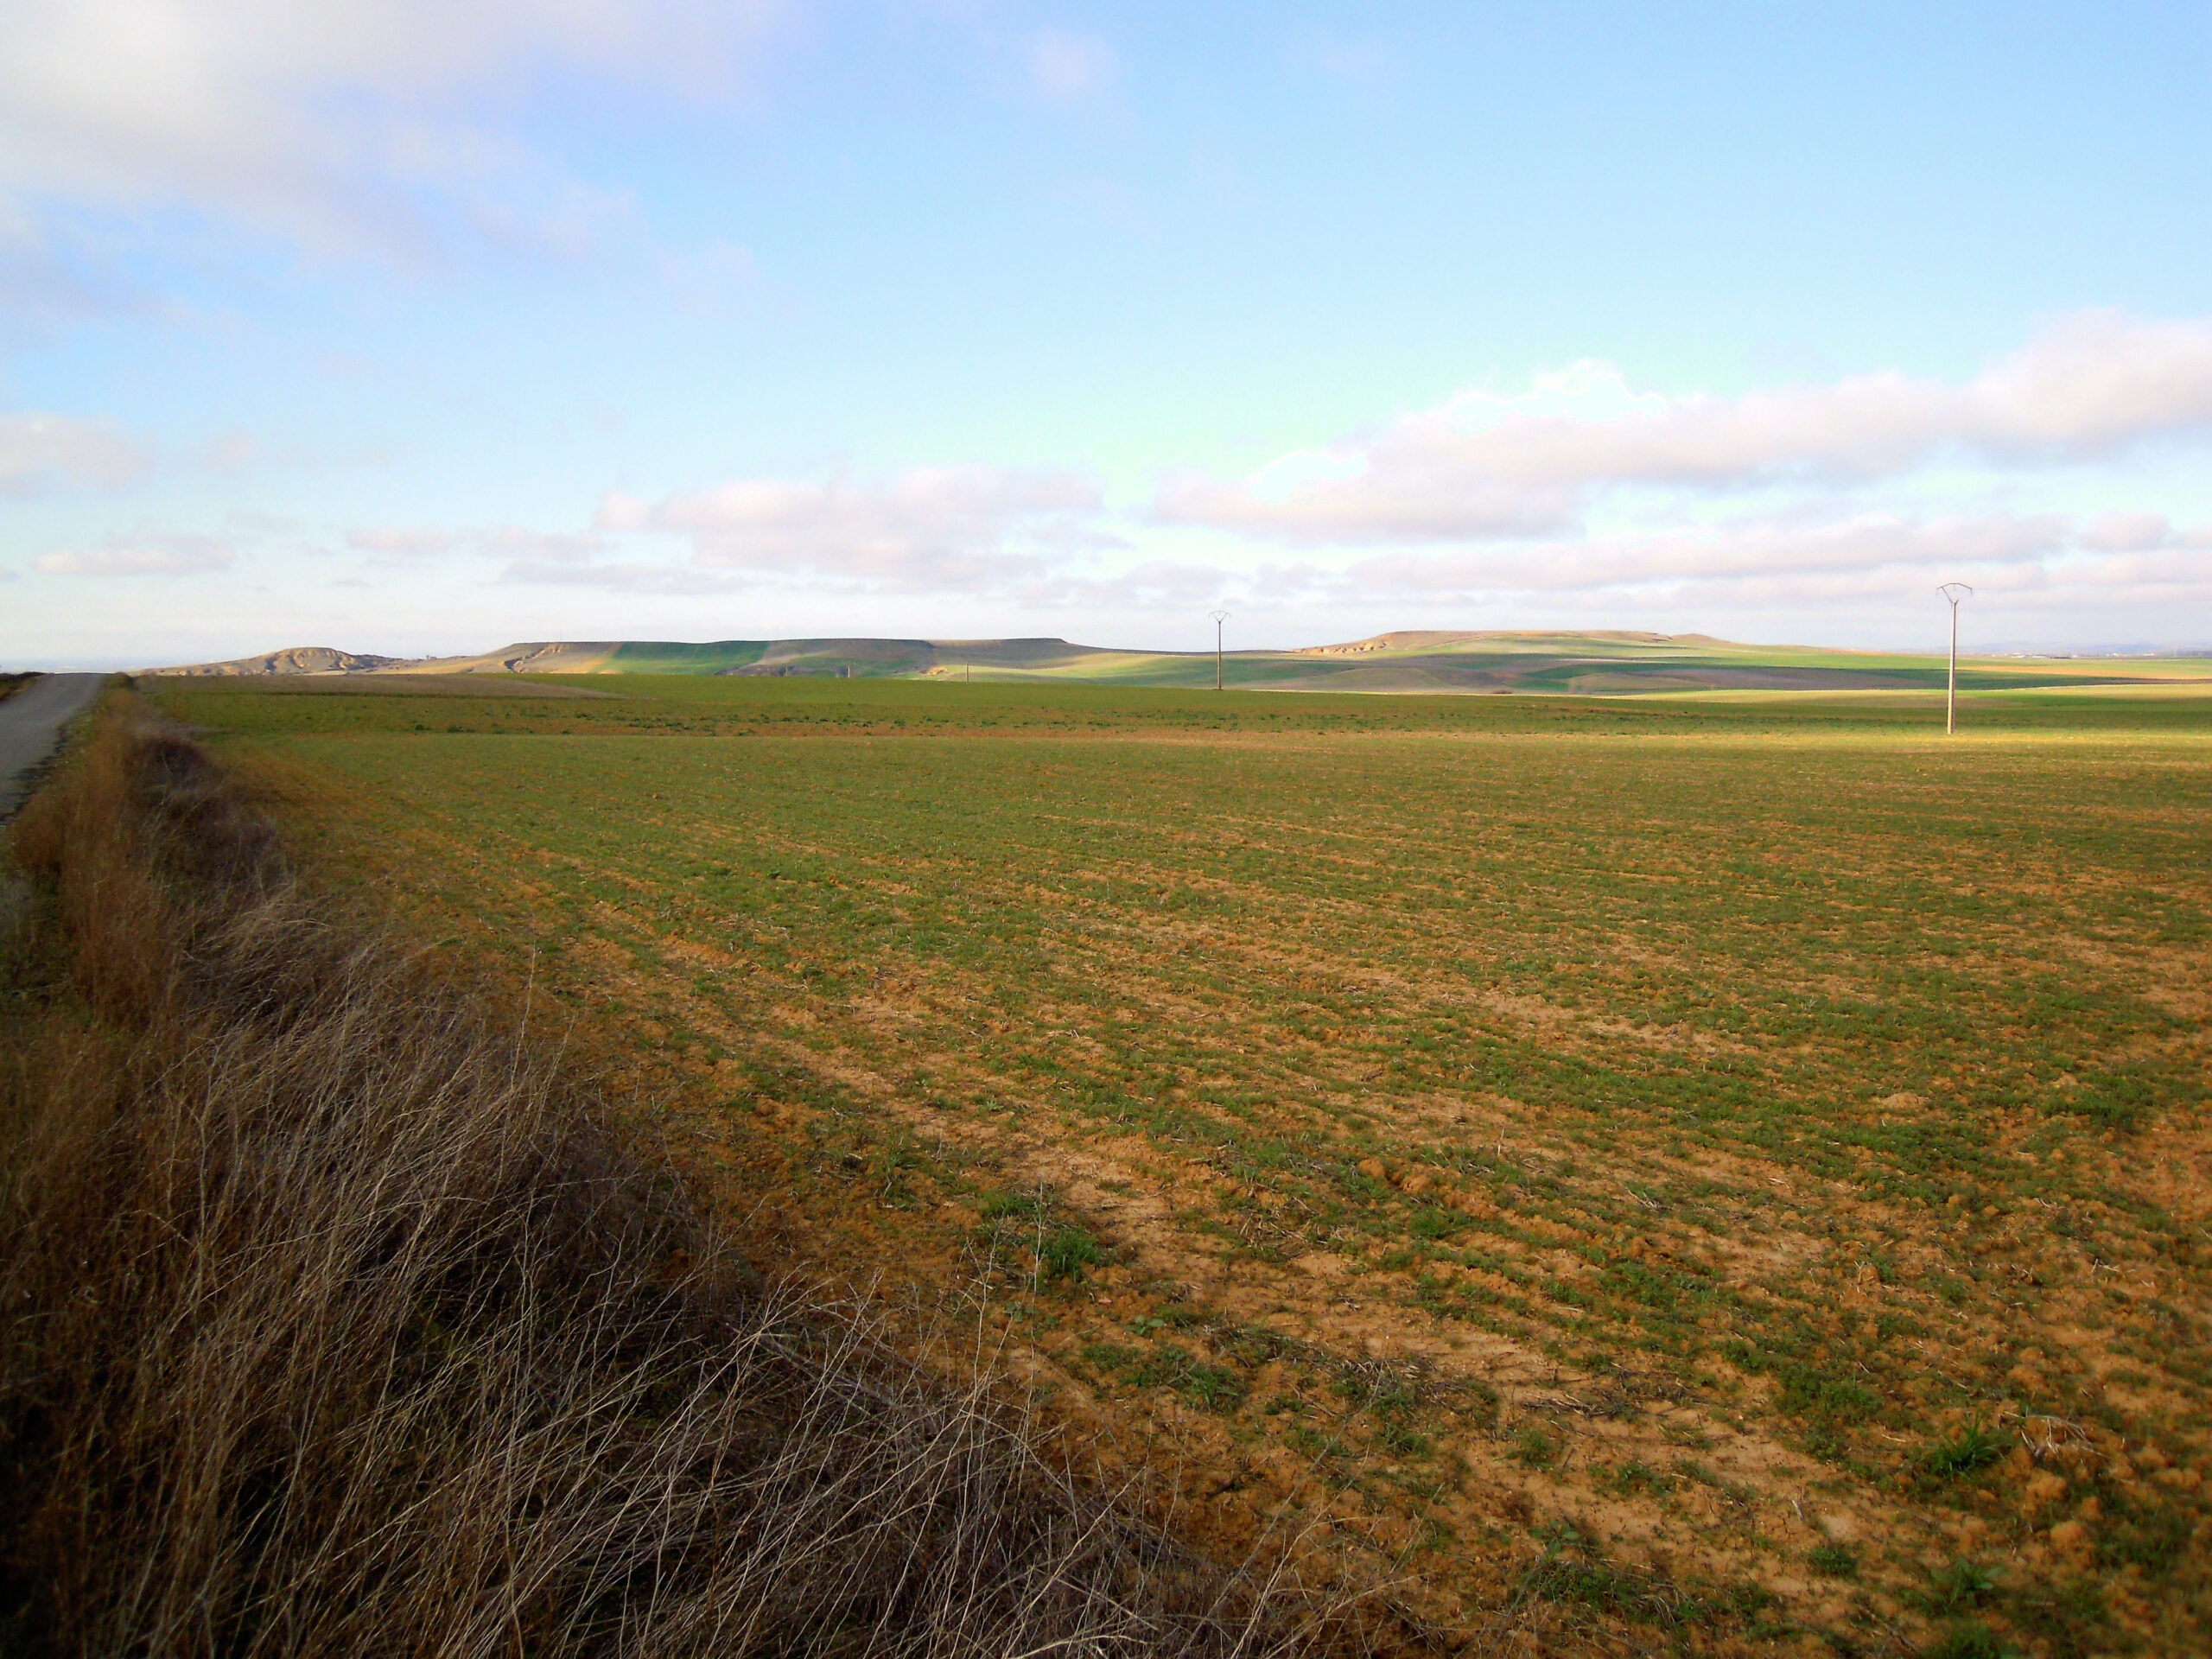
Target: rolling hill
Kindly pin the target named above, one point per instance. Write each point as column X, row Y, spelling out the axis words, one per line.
column 1585, row 664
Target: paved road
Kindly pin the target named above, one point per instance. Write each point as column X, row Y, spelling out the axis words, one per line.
column 30, row 727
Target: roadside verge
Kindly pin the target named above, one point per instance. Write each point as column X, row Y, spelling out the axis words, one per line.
column 338, row 1319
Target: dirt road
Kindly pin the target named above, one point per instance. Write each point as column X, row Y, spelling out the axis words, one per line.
column 30, row 727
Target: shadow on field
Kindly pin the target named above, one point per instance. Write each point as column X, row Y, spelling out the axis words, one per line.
column 339, row 1321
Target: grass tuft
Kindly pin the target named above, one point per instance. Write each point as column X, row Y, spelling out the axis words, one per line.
column 1068, row 1253
column 1973, row 1447
column 1833, row 1560
column 1971, row 1640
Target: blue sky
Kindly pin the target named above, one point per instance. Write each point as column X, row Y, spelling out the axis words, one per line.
column 413, row 326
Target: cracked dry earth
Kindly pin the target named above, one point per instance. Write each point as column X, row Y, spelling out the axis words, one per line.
column 1731, row 1192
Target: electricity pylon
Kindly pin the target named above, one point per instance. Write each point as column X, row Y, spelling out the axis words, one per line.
column 1954, row 591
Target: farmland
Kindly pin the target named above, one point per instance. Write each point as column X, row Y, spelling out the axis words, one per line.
column 1646, row 1170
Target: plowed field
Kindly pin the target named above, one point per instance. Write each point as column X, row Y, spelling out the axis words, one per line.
column 1693, row 1174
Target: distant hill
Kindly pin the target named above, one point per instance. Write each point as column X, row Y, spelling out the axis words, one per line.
column 300, row 659
column 1594, row 663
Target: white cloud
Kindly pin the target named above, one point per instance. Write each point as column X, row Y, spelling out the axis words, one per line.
column 926, row 527
column 316, row 119
column 948, row 529
column 2128, row 533
column 1752, row 551
column 159, row 555
column 1785, row 570
column 391, row 540
column 1482, row 467
column 44, row 452
column 497, row 541
column 626, row 578
column 232, row 451
column 1069, row 68
column 513, row 541
column 2148, row 576
column 618, row 512
column 1157, row 585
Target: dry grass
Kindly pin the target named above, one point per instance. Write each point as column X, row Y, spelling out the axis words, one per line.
column 338, row 1322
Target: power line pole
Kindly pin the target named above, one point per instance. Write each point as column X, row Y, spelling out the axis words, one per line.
column 1219, row 617
column 1954, row 591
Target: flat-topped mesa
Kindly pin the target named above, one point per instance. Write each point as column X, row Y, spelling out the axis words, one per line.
column 524, row 657
column 548, row 657
column 1408, row 639
column 1443, row 639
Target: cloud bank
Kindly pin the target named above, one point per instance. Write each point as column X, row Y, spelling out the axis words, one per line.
column 1845, row 499
column 1480, row 468
column 927, row 528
